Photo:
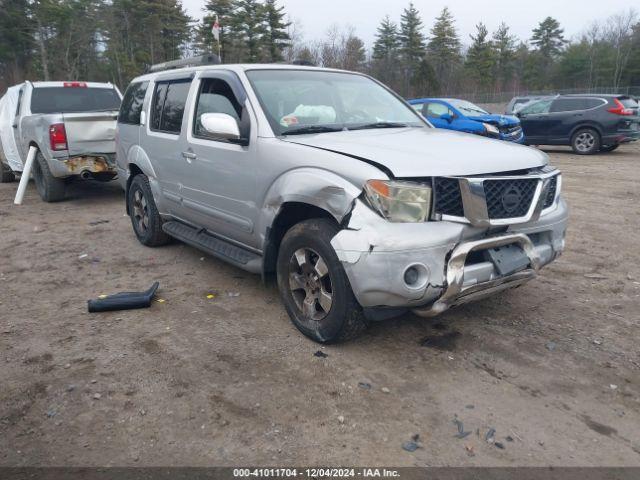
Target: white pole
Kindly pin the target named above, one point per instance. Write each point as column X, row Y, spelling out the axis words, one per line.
column 26, row 173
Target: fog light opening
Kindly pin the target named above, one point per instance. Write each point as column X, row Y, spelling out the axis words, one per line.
column 415, row 276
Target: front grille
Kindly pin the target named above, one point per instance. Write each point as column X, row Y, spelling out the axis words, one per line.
column 509, row 198
column 551, row 192
column 448, row 199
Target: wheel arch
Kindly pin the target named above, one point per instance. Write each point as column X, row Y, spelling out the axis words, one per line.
column 590, row 125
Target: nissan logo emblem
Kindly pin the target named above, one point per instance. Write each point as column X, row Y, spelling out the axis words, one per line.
column 511, row 198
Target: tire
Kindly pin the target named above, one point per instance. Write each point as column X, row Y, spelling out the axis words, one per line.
column 308, row 269
column 145, row 219
column 608, row 148
column 6, row 174
column 50, row 188
column 585, row 141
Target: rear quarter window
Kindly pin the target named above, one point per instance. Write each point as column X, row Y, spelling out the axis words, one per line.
column 168, row 106
column 74, row 100
column 132, row 103
column 568, row 105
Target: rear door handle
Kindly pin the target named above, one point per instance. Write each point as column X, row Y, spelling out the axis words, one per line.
column 189, row 156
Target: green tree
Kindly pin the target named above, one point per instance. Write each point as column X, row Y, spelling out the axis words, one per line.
column 480, row 61
column 504, row 45
column 276, row 37
column 354, row 54
column 547, row 38
column 248, row 25
column 387, row 41
column 412, row 49
column 443, row 49
column 16, row 42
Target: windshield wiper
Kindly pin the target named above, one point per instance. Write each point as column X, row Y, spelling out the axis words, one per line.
column 367, row 126
column 313, row 129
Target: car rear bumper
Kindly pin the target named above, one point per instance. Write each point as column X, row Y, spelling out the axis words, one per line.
column 83, row 165
column 622, row 136
column 452, row 267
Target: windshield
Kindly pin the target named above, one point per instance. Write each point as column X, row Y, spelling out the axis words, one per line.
column 314, row 101
column 467, row 108
column 74, row 100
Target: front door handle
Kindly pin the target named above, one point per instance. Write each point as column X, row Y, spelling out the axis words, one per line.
column 189, row 156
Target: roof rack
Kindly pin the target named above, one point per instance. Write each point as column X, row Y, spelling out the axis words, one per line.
column 208, row 59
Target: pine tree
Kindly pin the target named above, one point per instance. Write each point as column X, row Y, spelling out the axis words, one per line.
column 548, row 38
column 276, row 38
column 504, row 45
column 387, row 42
column 16, row 42
column 480, row 58
column 354, row 55
column 249, row 26
column 443, row 49
column 412, row 42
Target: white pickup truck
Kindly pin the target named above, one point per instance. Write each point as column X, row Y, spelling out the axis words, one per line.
column 72, row 124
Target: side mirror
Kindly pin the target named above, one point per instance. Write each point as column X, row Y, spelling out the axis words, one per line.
column 447, row 117
column 220, row 125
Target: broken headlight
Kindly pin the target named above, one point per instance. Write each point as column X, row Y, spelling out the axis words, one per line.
column 399, row 201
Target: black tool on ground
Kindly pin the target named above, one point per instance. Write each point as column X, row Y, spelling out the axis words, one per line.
column 124, row 300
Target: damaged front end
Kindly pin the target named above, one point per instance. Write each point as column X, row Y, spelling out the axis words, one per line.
column 432, row 265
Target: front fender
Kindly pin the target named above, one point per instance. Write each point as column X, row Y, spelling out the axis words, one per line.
column 314, row 186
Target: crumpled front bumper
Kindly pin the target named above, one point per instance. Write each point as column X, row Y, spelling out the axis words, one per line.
column 376, row 254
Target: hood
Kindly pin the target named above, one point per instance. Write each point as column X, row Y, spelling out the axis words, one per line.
column 500, row 120
column 427, row 152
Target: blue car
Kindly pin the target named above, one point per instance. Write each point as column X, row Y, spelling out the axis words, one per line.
column 464, row 116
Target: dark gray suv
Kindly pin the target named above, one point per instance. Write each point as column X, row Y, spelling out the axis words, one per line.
column 588, row 123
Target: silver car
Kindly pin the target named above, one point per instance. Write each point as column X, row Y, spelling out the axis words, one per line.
column 333, row 183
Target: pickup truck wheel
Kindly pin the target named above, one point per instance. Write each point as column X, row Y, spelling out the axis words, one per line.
column 50, row 188
column 585, row 141
column 6, row 175
column 145, row 219
column 608, row 148
column 313, row 285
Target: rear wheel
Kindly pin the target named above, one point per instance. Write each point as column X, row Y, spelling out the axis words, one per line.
column 6, row 174
column 145, row 219
column 313, row 285
column 50, row 188
column 585, row 141
column 608, row 148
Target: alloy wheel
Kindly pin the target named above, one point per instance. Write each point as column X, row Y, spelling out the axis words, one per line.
column 310, row 283
column 140, row 212
column 585, row 141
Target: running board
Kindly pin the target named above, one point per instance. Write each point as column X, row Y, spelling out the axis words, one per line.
column 215, row 246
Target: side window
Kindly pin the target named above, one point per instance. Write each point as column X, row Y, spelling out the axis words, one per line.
column 542, row 106
column 132, row 103
column 168, row 105
column 593, row 102
column 567, row 105
column 436, row 110
column 215, row 96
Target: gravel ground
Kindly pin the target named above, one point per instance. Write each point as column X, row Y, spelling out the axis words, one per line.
column 553, row 366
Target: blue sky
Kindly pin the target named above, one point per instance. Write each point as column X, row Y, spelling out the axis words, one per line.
column 315, row 16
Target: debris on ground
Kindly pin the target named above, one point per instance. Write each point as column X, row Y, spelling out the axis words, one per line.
column 233, row 294
column 123, row 300
column 320, row 354
column 413, row 444
column 364, row 385
column 385, row 390
column 97, row 396
column 469, row 407
column 98, row 222
column 51, row 413
column 551, row 346
column 341, row 419
column 499, row 445
column 597, row 342
column 509, row 438
column 595, row 276
column 446, row 341
column 84, row 255
column 470, row 450
column 490, row 435
column 461, row 433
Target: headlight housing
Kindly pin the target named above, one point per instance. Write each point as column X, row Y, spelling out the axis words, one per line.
column 491, row 130
column 399, row 201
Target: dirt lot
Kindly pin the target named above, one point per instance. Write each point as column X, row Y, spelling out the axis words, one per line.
column 553, row 366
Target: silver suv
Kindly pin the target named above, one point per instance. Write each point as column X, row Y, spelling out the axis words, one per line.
column 332, row 182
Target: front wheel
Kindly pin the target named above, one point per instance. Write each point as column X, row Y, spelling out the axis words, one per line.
column 585, row 141
column 145, row 219
column 313, row 285
column 608, row 148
